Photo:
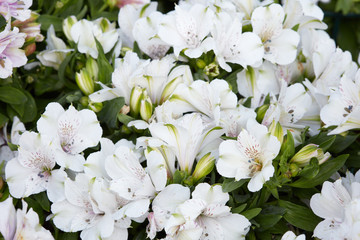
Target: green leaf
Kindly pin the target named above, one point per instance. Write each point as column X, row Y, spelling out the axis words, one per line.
column 47, row 20
column 326, row 170
column 110, row 111
column 2, row 22
column 299, row 216
column 43, row 200
column 230, row 184
column 124, row 119
column 323, row 140
column 27, row 110
column 3, row 120
column 232, row 80
column 63, row 65
column 251, row 213
column 239, row 209
column 341, row 142
column 105, row 69
column 12, row 95
column 310, row 170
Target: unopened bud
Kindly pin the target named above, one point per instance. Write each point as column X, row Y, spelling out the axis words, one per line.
column 92, row 68
column 95, row 106
column 276, row 130
column 67, row 24
column 200, row 63
column 204, row 166
column 30, row 49
column 146, row 107
column 135, row 101
column 84, row 81
column 125, row 110
column 303, row 157
column 261, row 112
column 294, row 169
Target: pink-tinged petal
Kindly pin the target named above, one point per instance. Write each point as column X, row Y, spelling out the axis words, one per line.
column 8, row 219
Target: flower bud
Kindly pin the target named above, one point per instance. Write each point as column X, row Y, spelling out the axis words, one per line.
column 30, row 49
column 204, row 166
column 1, row 183
column 95, row 106
column 200, row 63
column 92, row 68
column 135, row 101
column 146, row 107
column 84, row 81
column 276, row 130
column 67, row 24
column 212, row 70
column 261, row 112
column 303, row 157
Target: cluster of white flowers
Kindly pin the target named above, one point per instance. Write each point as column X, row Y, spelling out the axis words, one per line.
column 290, row 74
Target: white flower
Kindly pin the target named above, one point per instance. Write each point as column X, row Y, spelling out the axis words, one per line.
column 89, row 207
column 303, row 14
column 22, row 224
column 72, row 132
column 339, row 205
column 145, row 34
column 233, row 120
column 188, row 138
column 207, row 215
column 16, row 9
column 55, row 52
column 128, row 178
column 10, row 53
column 187, row 29
column 127, row 17
column 205, row 98
column 280, row 44
column 291, row 108
column 16, row 130
column 343, row 109
column 84, row 33
column 231, row 45
column 258, row 82
column 163, row 208
column 30, row 172
column 339, row 63
column 250, row 156
column 289, row 235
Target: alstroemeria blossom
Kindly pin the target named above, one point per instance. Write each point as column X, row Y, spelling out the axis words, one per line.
column 189, row 138
column 145, row 33
column 231, row 45
column 55, row 52
column 258, row 82
column 84, row 33
column 89, row 207
column 280, row 44
column 71, row 131
column 205, row 98
column 22, row 224
column 16, row 9
column 339, row 205
column 187, row 29
column 206, row 215
column 289, row 235
column 10, row 54
column 343, row 109
column 30, row 172
column 250, row 156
